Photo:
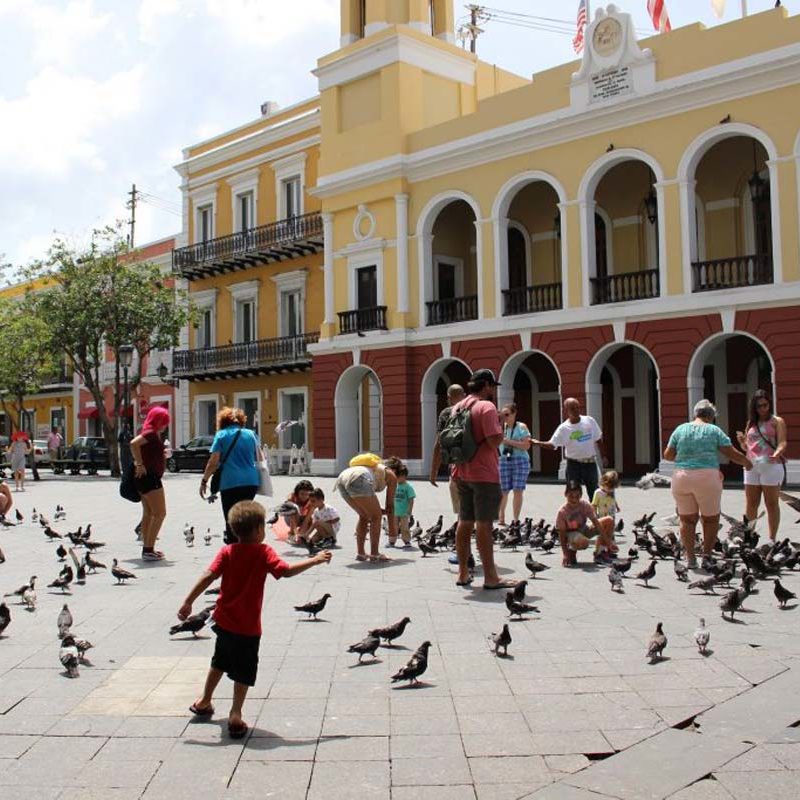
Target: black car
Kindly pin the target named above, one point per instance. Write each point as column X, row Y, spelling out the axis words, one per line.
column 191, row 456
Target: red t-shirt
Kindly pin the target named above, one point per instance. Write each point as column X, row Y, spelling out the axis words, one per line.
column 485, row 465
column 153, row 454
column 244, row 569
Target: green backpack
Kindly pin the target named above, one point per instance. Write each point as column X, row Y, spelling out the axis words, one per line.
column 456, row 442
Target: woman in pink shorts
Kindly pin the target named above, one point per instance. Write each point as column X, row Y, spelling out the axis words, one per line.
column 764, row 441
column 695, row 447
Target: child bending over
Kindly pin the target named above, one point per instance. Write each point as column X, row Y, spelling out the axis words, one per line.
column 577, row 524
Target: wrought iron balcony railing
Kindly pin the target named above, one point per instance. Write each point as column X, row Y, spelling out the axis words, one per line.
column 731, row 273
column 455, row 309
column 278, row 241
column 641, row 285
column 363, row 319
column 532, row 299
column 287, row 353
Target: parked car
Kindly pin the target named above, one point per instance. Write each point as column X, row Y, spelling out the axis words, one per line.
column 91, row 449
column 40, row 452
column 191, row 456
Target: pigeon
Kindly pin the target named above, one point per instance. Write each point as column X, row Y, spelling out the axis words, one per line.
column 548, row 545
column 732, row 602
column 80, row 574
column 61, row 552
column 706, row 584
column 60, row 513
column 34, row 515
column 22, row 589
column 502, row 639
column 633, row 553
column 622, row 565
column 517, row 608
column 93, row 565
column 2, row 557
column 702, row 637
column 313, row 608
column 426, row 549
column 93, row 545
column 83, row 645
column 518, row 591
column 681, row 570
column 615, row 579
column 193, row 624
column 367, row 645
column 620, row 526
column 5, row 617
column 18, row 515
column 534, row 566
column 658, row 641
column 189, row 537
column 792, row 501
column 782, row 594
column 63, row 581
column 120, row 574
column 207, row 539
column 29, row 598
column 415, row 667
column 436, row 528
column 51, row 534
column 69, row 657
column 87, row 534
column 64, row 621
column 391, row 632
column 648, row 573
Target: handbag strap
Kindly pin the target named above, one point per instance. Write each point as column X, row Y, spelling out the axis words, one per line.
column 773, row 445
column 228, row 451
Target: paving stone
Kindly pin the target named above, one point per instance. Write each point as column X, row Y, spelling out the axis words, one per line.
column 430, row 771
column 426, row 747
column 754, row 760
column 365, row 779
column 433, row 793
column 563, row 791
column 707, row 789
column 353, row 748
column 501, row 791
column 278, row 779
column 786, row 754
column 759, row 785
column 279, row 749
column 530, row 770
column 15, row 746
column 570, row 763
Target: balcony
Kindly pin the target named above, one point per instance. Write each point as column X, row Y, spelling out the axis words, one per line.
column 454, row 309
column 532, row 299
column 285, row 354
column 641, row 285
column 278, row 241
column 731, row 273
column 363, row 319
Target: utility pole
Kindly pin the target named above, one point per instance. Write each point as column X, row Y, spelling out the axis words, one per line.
column 131, row 204
column 744, row 8
column 472, row 30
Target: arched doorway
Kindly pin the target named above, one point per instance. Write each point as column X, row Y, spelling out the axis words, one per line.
column 433, row 398
column 622, row 394
column 726, row 370
column 358, row 405
column 531, row 380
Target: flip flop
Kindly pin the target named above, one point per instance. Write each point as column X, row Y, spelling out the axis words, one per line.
column 208, row 711
column 362, row 558
column 381, row 558
column 238, row 731
column 501, row 585
column 467, row 582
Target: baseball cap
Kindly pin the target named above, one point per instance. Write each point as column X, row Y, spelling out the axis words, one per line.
column 484, row 376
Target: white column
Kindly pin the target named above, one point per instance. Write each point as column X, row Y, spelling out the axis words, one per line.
column 662, row 240
column 775, row 212
column 500, row 232
column 479, row 268
column 327, row 232
column 587, row 247
column 401, row 215
column 688, row 232
column 594, row 402
column 563, row 216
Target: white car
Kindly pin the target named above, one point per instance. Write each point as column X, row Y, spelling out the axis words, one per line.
column 40, row 452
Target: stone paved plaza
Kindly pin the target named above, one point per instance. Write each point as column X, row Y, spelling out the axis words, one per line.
column 574, row 713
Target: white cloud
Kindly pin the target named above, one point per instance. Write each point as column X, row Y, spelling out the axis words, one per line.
column 153, row 14
column 54, row 125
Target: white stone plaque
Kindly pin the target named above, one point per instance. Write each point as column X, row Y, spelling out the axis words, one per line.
column 610, row 84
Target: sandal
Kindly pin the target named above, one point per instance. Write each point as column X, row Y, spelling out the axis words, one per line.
column 381, row 558
column 208, row 711
column 467, row 582
column 502, row 585
column 362, row 557
column 238, row 731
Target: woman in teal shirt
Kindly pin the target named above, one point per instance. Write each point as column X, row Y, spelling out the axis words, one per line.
column 696, row 447
column 514, row 461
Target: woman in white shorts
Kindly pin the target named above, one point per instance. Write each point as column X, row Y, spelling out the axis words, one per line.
column 764, row 441
column 359, row 487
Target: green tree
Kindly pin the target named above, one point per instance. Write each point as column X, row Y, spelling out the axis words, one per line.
column 97, row 299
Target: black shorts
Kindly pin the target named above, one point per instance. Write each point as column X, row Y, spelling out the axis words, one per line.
column 148, row 483
column 236, row 655
column 478, row 502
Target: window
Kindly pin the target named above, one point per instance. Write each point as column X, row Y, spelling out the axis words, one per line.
column 251, row 411
column 448, row 278
column 206, row 419
column 205, row 329
column 291, row 313
column 205, row 223
column 244, row 211
column 292, row 199
column 367, row 287
column 362, row 18
column 28, row 422
column 245, row 321
column 293, row 407
column 58, row 420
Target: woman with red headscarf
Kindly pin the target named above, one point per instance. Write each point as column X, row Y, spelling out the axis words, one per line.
column 147, row 450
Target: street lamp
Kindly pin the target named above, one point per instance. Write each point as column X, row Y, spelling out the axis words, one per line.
column 162, row 371
column 125, row 356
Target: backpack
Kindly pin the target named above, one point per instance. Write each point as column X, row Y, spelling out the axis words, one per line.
column 456, row 441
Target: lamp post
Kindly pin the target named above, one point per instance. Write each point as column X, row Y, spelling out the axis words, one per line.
column 125, row 434
column 162, row 371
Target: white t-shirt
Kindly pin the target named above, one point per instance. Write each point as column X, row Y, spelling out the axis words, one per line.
column 327, row 514
column 578, row 439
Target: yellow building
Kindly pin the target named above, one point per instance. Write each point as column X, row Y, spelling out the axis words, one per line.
column 623, row 229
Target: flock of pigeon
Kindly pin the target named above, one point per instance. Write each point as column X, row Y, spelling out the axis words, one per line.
column 74, row 571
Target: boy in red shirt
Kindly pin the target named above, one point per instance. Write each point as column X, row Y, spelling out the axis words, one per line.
column 244, row 567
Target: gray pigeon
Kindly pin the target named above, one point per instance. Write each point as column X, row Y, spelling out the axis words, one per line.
column 314, row 608
column 502, row 639
column 518, row 591
column 657, row 644
column 615, row 579
column 732, row 602
column 391, row 632
column 706, row 584
column 119, row 573
column 69, row 657
column 415, row 667
column 681, row 570
column 517, row 608
column 5, row 617
column 702, row 637
column 64, row 621
column 782, row 594
column 193, row 624
column 367, row 645
column 534, row 566
column 83, row 645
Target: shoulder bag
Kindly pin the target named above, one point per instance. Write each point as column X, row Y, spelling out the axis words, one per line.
column 264, row 479
column 217, row 476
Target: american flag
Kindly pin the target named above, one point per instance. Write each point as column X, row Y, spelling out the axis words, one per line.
column 578, row 41
column 659, row 14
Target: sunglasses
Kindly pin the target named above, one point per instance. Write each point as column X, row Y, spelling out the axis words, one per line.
column 762, row 405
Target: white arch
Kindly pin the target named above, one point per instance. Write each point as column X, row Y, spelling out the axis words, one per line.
column 694, row 375
column 427, row 401
column 424, row 232
column 500, row 208
column 594, row 387
column 347, row 413
column 687, row 185
column 507, row 372
column 586, row 192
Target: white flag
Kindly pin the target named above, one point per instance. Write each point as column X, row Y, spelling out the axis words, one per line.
column 719, row 8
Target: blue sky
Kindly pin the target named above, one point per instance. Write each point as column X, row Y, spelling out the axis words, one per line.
column 96, row 94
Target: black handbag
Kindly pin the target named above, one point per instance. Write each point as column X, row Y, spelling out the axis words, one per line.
column 127, row 484
column 216, row 478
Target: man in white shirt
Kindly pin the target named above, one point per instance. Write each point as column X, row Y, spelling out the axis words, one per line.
column 579, row 435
